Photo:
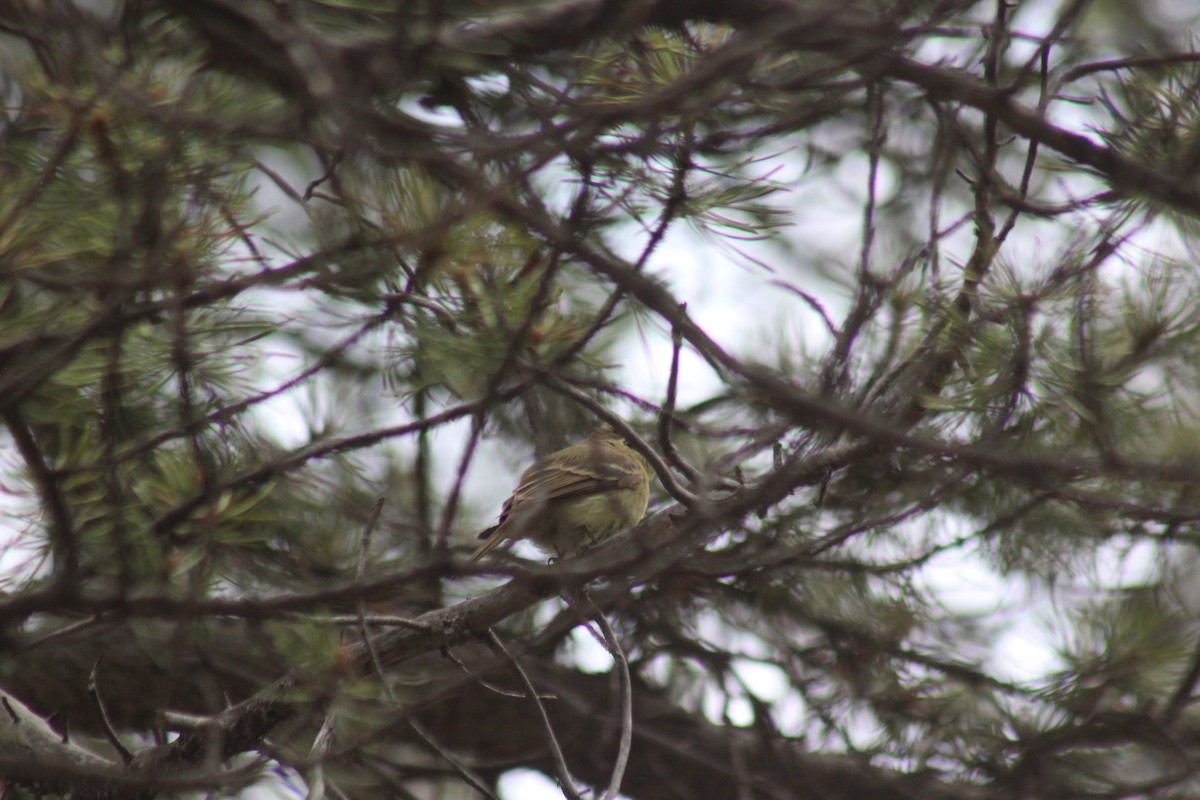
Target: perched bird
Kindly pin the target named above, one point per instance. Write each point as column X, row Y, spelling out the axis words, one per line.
column 575, row 497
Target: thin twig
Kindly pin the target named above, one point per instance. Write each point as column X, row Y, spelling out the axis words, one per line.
column 330, row 169
column 63, row 631
column 811, row 301
column 683, row 496
column 226, row 413
column 319, row 450
column 492, row 393
column 383, row 620
column 486, row 683
column 183, row 721
column 1030, row 154
column 49, row 486
column 675, row 200
column 365, row 544
column 468, row 774
column 16, row 719
column 1183, row 693
column 565, row 782
column 836, row 369
column 360, row 569
column 1115, row 64
column 422, row 478
column 315, row 774
column 110, row 733
column 621, row 665
column 65, row 145
column 667, row 414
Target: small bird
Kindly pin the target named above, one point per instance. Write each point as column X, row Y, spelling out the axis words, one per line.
column 575, row 497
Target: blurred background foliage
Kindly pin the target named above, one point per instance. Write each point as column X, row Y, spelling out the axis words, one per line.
column 262, row 264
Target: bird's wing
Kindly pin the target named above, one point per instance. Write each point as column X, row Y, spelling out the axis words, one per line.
column 577, row 471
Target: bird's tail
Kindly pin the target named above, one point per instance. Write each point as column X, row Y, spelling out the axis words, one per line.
column 492, row 537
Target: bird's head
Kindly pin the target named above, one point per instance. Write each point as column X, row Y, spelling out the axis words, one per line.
column 605, row 433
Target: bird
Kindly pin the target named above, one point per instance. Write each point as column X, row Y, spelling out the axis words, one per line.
column 576, row 497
